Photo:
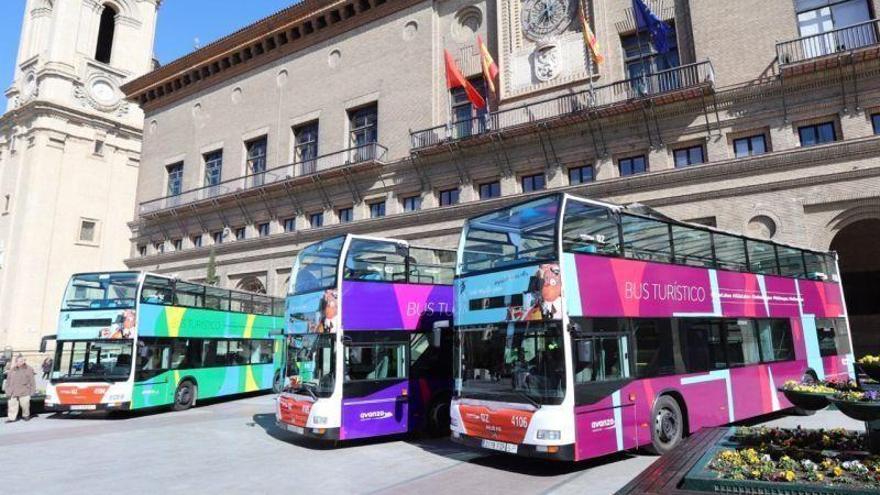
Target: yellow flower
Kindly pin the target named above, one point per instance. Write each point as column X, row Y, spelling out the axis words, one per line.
column 789, row 475
column 820, row 476
column 837, row 471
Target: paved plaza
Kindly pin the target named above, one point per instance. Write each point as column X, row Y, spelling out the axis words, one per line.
column 234, row 447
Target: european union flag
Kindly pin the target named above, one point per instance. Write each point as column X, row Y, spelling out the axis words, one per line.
column 646, row 19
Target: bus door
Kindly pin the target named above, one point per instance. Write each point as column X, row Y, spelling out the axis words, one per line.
column 605, row 420
column 375, row 391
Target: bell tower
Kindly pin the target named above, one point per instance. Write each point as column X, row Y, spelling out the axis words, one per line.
column 69, row 153
column 77, row 53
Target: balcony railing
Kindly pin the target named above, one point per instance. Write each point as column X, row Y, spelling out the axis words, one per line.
column 650, row 85
column 846, row 39
column 372, row 152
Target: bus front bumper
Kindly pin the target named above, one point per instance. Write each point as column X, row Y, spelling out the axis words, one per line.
column 113, row 406
column 318, row 433
column 555, row 452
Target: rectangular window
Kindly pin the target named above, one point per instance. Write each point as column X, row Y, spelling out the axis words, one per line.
column 263, row 229
column 818, row 18
column 692, row 246
column 467, row 119
column 655, row 349
column 142, row 250
column 776, row 340
column 364, row 126
column 217, row 237
column 377, row 209
column 632, row 165
column 815, row 134
column 875, row 123
column 345, row 215
column 99, row 148
column 175, row 179
column 750, row 146
column 702, row 345
column 412, row 203
column 590, row 229
column 196, row 241
column 791, row 261
column 532, row 183
column 256, row 160
column 240, row 234
column 580, row 175
column 290, row 224
column 177, row 244
column 375, row 362
column 646, row 239
column 686, row 157
column 490, row 190
column 730, row 252
column 316, row 220
column 448, row 197
column 88, row 231
column 741, row 341
column 213, row 167
column 762, row 257
column 600, row 350
column 833, row 337
column 305, row 148
column 159, row 247
column 640, row 58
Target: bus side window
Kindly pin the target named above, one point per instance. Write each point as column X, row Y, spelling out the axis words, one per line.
column 776, row 340
column 833, row 337
column 590, row 229
column 157, row 291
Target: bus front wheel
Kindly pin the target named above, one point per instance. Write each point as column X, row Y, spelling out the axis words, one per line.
column 668, row 425
column 438, row 418
column 185, row 396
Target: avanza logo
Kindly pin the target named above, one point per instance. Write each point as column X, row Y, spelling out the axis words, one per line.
column 602, row 424
column 370, row 415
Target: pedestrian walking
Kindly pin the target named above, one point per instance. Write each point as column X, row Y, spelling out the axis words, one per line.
column 47, row 367
column 20, row 386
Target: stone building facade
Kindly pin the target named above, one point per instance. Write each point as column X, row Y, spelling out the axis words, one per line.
column 69, row 154
column 761, row 118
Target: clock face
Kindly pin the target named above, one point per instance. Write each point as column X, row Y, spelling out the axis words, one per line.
column 545, row 18
column 103, row 92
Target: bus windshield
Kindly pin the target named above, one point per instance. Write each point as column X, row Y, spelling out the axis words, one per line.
column 98, row 360
column 521, row 234
column 315, row 267
column 312, row 360
column 101, row 291
column 513, row 362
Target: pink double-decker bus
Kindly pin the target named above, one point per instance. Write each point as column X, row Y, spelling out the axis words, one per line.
column 585, row 328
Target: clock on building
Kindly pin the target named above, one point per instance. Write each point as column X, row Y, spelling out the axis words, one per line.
column 542, row 19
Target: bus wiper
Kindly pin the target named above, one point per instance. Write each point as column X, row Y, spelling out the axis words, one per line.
column 310, row 391
column 531, row 400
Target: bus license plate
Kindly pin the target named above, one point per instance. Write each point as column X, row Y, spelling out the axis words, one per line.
column 510, row 448
column 90, row 407
column 299, row 430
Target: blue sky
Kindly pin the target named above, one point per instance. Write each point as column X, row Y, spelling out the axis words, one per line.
column 181, row 22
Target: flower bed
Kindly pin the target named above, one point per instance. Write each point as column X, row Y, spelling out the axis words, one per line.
column 774, row 460
column 813, row 396
column 870, row 365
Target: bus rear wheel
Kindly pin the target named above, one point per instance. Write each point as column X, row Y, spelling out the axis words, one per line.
column 184, row 396
column 438, row 418
column 668, row 427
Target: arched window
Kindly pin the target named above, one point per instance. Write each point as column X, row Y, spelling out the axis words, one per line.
column 105, row 34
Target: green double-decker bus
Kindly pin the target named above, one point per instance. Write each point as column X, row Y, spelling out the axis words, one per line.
column 132, row 340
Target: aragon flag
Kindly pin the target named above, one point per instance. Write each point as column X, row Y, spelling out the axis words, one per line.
column 490, row 68
column 454, row 79
column 589, row 38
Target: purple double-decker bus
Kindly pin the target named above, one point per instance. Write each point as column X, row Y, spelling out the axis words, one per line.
column 369, row 340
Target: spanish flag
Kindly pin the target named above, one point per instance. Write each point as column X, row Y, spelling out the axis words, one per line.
column 490, row 68
column 454, row 79
column 589, row 38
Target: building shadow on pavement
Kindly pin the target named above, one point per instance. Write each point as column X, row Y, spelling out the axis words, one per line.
column 267, row 423
column 515, row 464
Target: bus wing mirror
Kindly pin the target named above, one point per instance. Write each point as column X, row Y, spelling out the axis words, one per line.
column 44, row 341
column 585, row 351
column 437, row 334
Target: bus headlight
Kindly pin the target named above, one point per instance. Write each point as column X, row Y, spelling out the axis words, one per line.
column 319, row 420
column 549, row 434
